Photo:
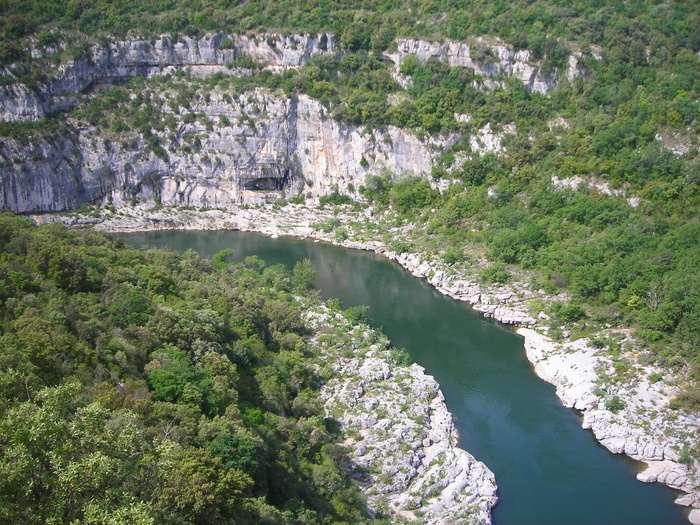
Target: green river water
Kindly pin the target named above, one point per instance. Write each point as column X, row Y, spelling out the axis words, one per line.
column 549, row 470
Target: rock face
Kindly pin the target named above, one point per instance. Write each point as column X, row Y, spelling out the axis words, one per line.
column 485, row 57
column 258, row 146
column 291, row 148
column 121, row 60
column 400, row 435
column 17, row 104
column 219, row 53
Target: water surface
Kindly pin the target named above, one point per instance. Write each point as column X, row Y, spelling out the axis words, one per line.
column 549, row 470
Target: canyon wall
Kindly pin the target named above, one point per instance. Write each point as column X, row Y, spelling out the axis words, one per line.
column 289, row 147
column 258, row 146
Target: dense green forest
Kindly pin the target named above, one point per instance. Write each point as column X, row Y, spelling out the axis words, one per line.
column 148, row 387
column 628, row 254
column 628, row 263
column 362, row 25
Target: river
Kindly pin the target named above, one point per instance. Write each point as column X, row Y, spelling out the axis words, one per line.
column 548, row 469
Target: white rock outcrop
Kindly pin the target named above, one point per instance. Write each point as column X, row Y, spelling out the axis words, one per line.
column 291, row 147
column 401, row 437
column 486, row 57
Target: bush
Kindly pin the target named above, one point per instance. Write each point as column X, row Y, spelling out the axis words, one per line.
column 655, row 377
column 401, row 247
column 569, row 313
column 651, row 336
column 411, row 194
column 357, row 315
column 335, row 198
column 341, row 235
column 400, row 356
column 495, row 273
column 453, row 255
column 689, row 400
column 377, row 188
column 615, row 404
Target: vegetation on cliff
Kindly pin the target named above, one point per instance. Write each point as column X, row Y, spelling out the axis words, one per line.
column 626, row 27
column 150, row 387
column 594, row 186
column 623, row 265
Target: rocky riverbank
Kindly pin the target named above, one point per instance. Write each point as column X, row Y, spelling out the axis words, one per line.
column 624, row 403
column 400, row 435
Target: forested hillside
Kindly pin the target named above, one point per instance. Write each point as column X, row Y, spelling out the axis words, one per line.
column 149, row 387
column 593, row 185
column 625, row 28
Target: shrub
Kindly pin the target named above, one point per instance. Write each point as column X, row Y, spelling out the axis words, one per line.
column 615, row 404
column 411, row 194
column 357, row 315
column 400, row 357
column 335, row 198
column 655, row 377
column 495, row 273
column 453, row 255
column 569, row 313
column 401, row 246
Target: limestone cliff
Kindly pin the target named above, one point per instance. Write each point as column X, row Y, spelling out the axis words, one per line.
column 120, row 60
column 487, row 58
column 137, row 57
column 291, row 147
column 255, row 146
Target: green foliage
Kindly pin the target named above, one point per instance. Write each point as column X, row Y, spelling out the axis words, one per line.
column 220, row 258
column 453, row 255
column 496, row 273
column 357, row 315
column 688, row 399
column 129, row 305
column 400, row 356
column 569, row 313
column 151, row 387
column 615, row 404
column 327, row 226
column 376, row 188
column 519, row 245
column 335, row 198
column 303, row 276
column 410, row 194
column 361, row 27
column 401, row 246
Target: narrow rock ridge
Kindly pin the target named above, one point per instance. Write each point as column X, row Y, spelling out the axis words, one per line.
column 400, row 435
column 645, row 429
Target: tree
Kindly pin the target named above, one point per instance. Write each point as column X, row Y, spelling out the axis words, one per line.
column 197, row 487
column 303, row 276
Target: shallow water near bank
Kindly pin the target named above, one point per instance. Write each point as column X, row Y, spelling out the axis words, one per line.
column 548, row 469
